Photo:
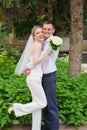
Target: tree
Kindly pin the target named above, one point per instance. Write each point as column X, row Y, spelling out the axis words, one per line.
column 41, row 7
column 76, row 37
column 50, row 10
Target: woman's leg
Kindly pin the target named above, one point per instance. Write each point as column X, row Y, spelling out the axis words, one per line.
column 36, row 120
column 38, row 97
column 24, row 109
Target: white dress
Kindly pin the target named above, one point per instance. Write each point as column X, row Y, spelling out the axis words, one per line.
column 34, row 82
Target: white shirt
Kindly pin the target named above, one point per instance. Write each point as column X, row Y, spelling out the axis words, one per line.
column 48, row 65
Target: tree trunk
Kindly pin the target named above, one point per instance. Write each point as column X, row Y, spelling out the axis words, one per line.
column 2, row 14
column 76, row 37
column 50, row 10
column 41, row 7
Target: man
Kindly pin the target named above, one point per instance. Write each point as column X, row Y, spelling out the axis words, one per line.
column 50, row 112
column 51, row 118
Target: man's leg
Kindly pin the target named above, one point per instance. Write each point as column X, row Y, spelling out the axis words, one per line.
column 51, row 111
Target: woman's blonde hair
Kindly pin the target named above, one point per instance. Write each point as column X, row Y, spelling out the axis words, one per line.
column 33, row 30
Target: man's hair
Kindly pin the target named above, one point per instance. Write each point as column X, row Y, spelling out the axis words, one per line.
column 49, row 22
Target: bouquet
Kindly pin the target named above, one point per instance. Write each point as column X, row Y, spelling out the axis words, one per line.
column 55, row 42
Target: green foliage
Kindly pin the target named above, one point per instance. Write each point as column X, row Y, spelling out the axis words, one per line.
column 61, row 16
column 1, row 45
column 71, row 92
column 10, row 3
column 85, row 9
column 72, row 95
column 4, row 29
column 6, row 65
column 25, row 10
column 12, row 89
column 23, row 28
column 8, row 51
column 13, row 53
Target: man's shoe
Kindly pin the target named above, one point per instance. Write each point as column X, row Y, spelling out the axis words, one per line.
column 45, row 128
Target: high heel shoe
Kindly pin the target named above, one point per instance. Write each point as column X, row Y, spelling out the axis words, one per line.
column 10, row 109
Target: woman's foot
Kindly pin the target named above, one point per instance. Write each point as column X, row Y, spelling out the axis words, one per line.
column 10, row 109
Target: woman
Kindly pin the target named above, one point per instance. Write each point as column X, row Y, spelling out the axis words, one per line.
column 33, row 53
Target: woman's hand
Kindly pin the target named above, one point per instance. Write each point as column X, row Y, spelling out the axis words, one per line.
column 26, row 71
column 50, row 51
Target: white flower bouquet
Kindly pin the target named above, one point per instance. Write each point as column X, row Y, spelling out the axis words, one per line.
column 55, row 42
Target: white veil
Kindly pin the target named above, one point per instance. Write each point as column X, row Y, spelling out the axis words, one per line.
column 25, row 58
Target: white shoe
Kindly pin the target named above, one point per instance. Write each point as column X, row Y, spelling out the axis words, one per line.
column 10, row 110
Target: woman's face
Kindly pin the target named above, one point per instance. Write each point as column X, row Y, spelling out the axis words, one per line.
column 38, row 35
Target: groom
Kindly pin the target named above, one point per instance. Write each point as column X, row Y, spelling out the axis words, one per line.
column 50, row 112
column 51, row 117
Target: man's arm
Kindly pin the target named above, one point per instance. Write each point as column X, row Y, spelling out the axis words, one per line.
column 29, row 65
column 28, row 68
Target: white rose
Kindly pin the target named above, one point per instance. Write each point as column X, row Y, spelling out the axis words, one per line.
column 56, row 40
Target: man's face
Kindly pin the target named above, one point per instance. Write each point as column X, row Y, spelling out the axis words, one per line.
column 48, row 30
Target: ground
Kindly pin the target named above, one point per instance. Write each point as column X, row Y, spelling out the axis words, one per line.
column 62, row 127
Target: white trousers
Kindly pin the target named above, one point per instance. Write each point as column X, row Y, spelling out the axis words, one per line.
column 38, row 100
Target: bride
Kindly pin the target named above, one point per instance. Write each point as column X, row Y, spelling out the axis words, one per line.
column 32, row 52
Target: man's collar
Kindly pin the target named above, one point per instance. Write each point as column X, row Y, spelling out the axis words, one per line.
column 48, row 39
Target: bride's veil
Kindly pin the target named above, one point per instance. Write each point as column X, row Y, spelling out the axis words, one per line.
column 25, row 57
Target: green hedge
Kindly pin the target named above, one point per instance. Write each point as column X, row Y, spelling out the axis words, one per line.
column 72, row 95
column 71, row 92
column 12, row 89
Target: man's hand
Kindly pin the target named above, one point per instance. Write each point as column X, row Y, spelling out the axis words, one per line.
column 26, row 71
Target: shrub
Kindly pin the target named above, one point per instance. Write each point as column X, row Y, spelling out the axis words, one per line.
column 71, row 95
column 71, row 92
column 13, row 89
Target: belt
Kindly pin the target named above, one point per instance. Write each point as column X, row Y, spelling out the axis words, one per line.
column 49, row 74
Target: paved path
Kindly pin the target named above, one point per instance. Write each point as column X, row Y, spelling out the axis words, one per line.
column 62, row 127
